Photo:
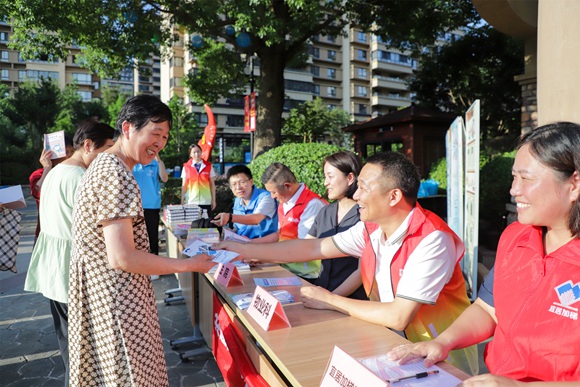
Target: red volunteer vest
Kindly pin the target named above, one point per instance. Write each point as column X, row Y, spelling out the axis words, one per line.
column 430, row 320
column 537, row 301
column 289, row 221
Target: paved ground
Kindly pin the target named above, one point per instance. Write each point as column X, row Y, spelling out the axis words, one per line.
column 29, row 354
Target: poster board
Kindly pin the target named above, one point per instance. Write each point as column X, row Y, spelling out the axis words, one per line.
column 454, row 154
column 471, row 223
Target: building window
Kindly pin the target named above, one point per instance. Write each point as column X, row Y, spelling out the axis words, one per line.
column 331, row 73
column 331, row 91
column 331, row 107
column 35, row 75
column 331, row 55
column 176, row 82
column 201, row 118
column 82, row 79
column 361, row 72
column 362, row 91
column 315, row 52
column 317, row 89
column 362, row 108
column 361, row 55
column 4, row 57
column 176, row 61
column 235, row 120
column 86, row 96
column 361, row 37
column 4, row 36
column 143, row 87
column 5, row 74
column 315, row 70
column 331, row 39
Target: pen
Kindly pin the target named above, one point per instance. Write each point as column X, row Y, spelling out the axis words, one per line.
column 416, row 376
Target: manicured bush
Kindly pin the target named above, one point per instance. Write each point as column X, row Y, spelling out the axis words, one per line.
column 305, row 161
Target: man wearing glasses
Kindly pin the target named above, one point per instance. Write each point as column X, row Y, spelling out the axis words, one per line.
column 255, row 212
column 409, row 258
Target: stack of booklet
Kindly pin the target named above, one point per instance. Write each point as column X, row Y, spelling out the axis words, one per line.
column 186, row 213
column 208, row 235
column 243, row 300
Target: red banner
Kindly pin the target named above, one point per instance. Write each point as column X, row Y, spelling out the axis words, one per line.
column 246, row 114
column 207, row 140
column 253, row 111
column 227, row 346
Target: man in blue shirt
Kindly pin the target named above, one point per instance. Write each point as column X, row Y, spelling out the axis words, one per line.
column 255, row 212
column 147, row 177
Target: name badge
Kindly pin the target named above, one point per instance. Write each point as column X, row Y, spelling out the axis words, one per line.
column 227, row 274
column 267, row 311
column 344, row 370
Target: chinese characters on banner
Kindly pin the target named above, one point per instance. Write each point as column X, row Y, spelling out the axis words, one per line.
column 250, row 112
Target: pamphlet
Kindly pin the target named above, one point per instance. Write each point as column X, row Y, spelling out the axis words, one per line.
column 388, row 369
column 200, row 247
column 230, row 235
column 279, row 281
column 243, row 300
column 55, row 142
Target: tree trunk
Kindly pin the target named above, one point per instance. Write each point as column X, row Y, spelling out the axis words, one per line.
column 270, row 99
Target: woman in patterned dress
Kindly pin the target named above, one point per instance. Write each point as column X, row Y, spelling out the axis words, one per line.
column 114, row 334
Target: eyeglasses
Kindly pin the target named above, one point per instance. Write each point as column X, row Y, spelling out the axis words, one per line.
column 241, row 183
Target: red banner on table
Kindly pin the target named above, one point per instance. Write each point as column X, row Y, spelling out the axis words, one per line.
column 227, row 346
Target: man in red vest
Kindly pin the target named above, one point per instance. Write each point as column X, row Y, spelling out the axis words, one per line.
column 409, row 258
column 296, row 213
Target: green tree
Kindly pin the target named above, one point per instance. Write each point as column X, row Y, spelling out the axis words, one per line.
column 115, row 34
column 114, row 99
column 481, row 65
column 184, row 132
column 34, row 108
column 312, row 119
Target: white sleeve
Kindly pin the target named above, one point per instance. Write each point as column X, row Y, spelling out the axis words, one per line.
column 267, row 207
column 183, row 173
column 351, row 241
column 308, row 216
column 428, row 268
column 212, row 173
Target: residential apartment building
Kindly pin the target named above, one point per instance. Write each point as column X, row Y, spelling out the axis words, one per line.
column 357, row 73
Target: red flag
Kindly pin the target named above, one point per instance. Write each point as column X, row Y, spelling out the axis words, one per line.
column 207, row 140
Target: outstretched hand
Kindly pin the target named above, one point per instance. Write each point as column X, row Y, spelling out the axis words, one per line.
column 202, row 263
column 432, row 351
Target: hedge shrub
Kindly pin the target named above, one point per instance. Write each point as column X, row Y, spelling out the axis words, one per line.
column 305, row 161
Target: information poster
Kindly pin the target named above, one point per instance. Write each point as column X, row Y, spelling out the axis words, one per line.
column 454, row 156
column 471, row 227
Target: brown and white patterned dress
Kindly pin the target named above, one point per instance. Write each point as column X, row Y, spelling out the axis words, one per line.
column 114, row 335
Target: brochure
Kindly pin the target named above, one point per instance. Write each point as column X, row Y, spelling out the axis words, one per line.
column 243, row 300
column 55, row 142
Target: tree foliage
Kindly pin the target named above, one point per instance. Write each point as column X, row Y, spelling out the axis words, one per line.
column 184, row 132
column 312, row 120
column 305, row 161
column 118, row 33
column 481, row 65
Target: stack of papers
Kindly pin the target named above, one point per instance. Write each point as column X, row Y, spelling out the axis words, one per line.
column 243, row 300
column 200, row 247
column 185, row 213
column 208, row 235
column 391, row 372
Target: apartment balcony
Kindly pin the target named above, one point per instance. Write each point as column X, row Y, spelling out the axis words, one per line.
column 396, row 67
column 390, row 101
column 388, row 83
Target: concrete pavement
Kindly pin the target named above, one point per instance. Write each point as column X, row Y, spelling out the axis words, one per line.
column 29, row 354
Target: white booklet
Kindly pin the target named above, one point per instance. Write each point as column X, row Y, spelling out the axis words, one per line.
column 55, row 142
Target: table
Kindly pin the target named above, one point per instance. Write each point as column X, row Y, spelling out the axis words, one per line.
column 295, row 356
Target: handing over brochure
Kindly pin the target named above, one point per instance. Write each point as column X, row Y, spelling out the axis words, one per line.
column 200, row 247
